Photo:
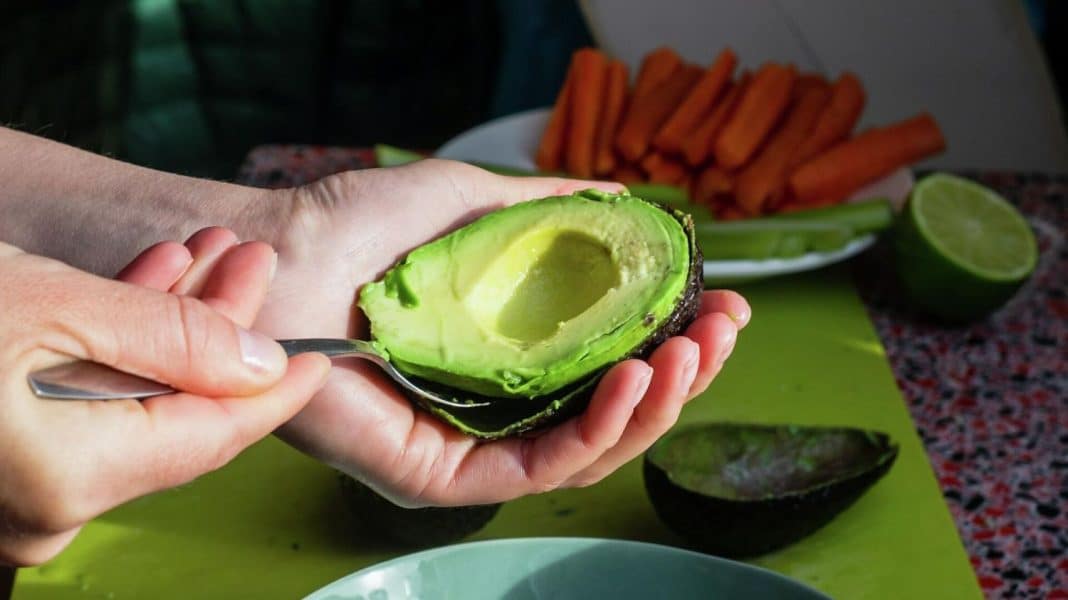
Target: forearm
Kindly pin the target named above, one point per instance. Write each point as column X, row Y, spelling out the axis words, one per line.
column 96, row 213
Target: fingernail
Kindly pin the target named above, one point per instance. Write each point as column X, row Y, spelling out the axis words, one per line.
column 690, row 368
column 725, row 353
column 274, row 267
column 259, row 351
column 185, row 268
column 740, row 318
column 641, row 385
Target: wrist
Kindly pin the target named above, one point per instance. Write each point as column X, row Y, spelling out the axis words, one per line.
column 295, row 220
column 96, row 213
column 255, row 214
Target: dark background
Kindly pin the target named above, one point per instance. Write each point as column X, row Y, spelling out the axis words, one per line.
column 190, row 85
column 1049, row 18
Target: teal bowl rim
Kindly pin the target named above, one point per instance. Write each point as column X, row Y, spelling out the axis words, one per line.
column 759, row 571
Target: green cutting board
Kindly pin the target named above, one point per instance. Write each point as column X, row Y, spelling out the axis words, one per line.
column 270, row 525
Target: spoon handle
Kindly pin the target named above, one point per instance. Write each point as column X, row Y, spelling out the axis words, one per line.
column 84, row 380
column 331, row 347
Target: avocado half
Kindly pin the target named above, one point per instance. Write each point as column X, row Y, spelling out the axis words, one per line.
column 525, row 308
column 411, row 527
column 740, row 490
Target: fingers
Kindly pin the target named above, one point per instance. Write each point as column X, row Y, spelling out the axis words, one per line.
column 206, row 246
column 23, row 549
column 173, row 439
column 115, row 451
column 231, row 278
column 675, row 364
column 173, row 339
column 715, row 334
column 158, row 267
column 181, row 341
column 727, row 302
column 235, row 422
column 676, row 381
column 238, row 284
column 510, row 468
column 579, row 452
column 517, row 189
column 481, row 189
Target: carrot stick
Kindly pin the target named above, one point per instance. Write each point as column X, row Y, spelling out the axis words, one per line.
column 766, row 174
column 662, row 169
column 835, row 174
column 589, row 67
column 647, row 113
column 550, row 153
column 697, row 103
column 697, row 147
column 615, row 97
column 776, row 200
column 627, row 174
column 793, row 206
column 657, row 67
column 713, row 186
column 757, row 113
column 687, row 180
column 837, row 120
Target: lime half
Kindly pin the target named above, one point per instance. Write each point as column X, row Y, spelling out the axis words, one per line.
column 962, row 250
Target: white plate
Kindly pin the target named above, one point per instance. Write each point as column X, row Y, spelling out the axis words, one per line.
column 512, row 141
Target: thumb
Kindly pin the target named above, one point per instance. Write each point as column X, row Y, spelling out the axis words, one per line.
column 481, row 189
column 176, row 340
column 510, row 190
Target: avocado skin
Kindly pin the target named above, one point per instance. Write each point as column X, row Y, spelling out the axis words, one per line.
column 500, row 420
column 412, row 527
column 686, row 310
column 743, row 529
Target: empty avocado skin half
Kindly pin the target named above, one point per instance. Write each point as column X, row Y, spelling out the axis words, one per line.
column 525, row 308
column 412, row 527
column 741, row 490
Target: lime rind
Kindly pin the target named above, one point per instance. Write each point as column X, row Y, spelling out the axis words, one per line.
column 937, row 206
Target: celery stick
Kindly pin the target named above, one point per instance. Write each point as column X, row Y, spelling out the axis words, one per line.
column 510, row 171
column 670, row 195
column 392, row 156
column 761, row 239
column 862, row 217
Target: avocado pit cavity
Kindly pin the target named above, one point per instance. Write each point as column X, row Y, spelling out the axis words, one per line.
column 540, row 283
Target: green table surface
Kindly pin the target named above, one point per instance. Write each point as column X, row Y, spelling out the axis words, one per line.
column 271, row 524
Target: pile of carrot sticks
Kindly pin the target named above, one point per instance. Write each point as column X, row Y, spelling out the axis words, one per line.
column 744, row 144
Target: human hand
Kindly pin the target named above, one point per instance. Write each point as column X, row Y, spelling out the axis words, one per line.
column 64, row 462
column 343, row 232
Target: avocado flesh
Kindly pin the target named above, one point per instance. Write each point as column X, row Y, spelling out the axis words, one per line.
column 740, row 490
column 533, row 297
column 528, row 306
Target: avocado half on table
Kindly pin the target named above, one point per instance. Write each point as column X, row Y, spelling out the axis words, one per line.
column 740, row 490
column 525, row 308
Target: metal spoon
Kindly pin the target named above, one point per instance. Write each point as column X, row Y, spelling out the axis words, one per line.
column 84, row 380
